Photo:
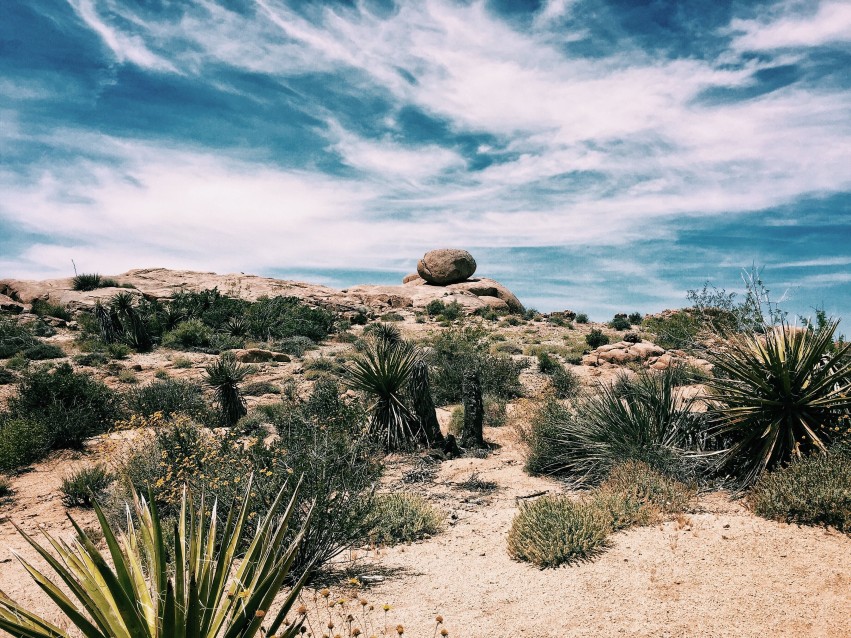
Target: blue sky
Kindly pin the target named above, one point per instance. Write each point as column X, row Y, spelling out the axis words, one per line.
column 593, row 155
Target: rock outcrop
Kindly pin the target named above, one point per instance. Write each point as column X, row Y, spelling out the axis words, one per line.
column 446, row 266
column 645, row 353
column 162, row 283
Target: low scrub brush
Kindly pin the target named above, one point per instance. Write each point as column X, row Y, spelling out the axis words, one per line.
column 403, row 518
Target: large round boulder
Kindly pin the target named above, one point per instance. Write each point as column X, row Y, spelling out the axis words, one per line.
column 446, row 266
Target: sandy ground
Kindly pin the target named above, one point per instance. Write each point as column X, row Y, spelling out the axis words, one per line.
column 719, row 571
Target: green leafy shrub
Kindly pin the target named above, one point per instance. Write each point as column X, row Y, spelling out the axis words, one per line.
column 620, row 322
column 22, row 441
column 42, row 351
column 596, row 338
column 565, row 383
column 643, row 487
column 83, row 487
column 275, row 318
column 169, row 396
column 815, row 490
column 555, row 530
column 44, row 308
column 188, row 335
column 259, row 388
column 5, row 487
column 402, row 518
column 641, row 418
column 392, row 316
column 675, row 331
column 203, row 594
column 7, row 377
column 14, row 337
column 495, row 412
column 452, row 311
column 91, row 359
column 635, row 318
column 546, row 363
column 71, row 405
column 85, row 282
column 780, row 395
column 581, row 318
column 435, row 307
column 224, row 375
column 460, row 349
column 295, row 346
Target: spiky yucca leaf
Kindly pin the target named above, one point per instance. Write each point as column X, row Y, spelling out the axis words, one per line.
column 778, row 395
column 204, row 597
column 224, row 376
column 382, row 372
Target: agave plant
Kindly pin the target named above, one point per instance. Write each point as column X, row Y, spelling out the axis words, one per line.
column 224, row 376
column 383, row 371
column 779, row 395
column 204, row 596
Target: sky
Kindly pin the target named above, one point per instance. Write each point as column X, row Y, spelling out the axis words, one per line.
column 593, row 155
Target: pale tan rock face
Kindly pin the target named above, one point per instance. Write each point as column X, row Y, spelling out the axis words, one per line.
column 162, row 283
column 446, row 266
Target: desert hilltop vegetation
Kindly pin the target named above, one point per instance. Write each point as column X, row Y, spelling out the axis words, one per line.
column 193, row 454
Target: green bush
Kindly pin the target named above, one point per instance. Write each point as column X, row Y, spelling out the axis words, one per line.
column 83, row 487
column 565, row 382
column 435, row 307
column 581, row 318
column 14, row 337
column 815, row 490
column 546, row 363
column 91, row 281
column 295, row 346
column 596, row 338
column 169, row 396
column 620, row 322
column 402, row 518
column 675, row 331
column 392, row 316
column 22, row 441
column 635, row 318
column 452, row 311
column 641, row 418
column 780, row 395
column 647, row 488
column 259, row 388
column 460, row 349
column 44, row 308
column 7, row 377
column 72, row 406
column 281, row 317
column 91, row 359
column 495, row 412
column 42, row 351
column 224, row 375
column 5, row 487
column 555, row 530
column 188, row 335
column 320, row 438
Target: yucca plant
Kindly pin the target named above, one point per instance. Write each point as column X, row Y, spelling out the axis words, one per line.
column 382, row 371
column 138, row 597
column 87, row 281
column 224, row 376
column 779, row 395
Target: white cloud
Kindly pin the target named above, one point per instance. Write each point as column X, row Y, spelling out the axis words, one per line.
column 829, row 23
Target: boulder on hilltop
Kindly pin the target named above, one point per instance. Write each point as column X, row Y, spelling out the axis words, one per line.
column 446, row 266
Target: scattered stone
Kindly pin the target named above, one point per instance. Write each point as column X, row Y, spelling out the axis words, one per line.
column 446, row 266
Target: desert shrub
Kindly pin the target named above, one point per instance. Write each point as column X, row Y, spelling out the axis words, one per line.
column 5, row 487
column 259, row 388
column 72, row 405
column 546, row 363
column 323, row 367
column 83, row 487
column 642, row 418
column 620, row 322
column 44, row 308
column 654, row 491
column 635, row 318
column 815, row 490
column 85, row 282
column 460, row 349
column 169, row 396
column 565, row 383
column 495, row 412
column 675, row 331
column 224, row 376
column 91, row 359
column 780, row 395
column 435, row 307
column 7, row 377
column 128, row 376
column 18, row 363
column 181, row 363
column 295, row 346
column 14, row 337
column 275, row 318
column 402, row 518
column 581, row 318
column 452, row 311
column 392, row 316
column 632, row 337
column 596, row 338
column 554, row 530
column 41, row 351
column 22, row 441
column 507, row 347
column 188, row 334
column 687, row 374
